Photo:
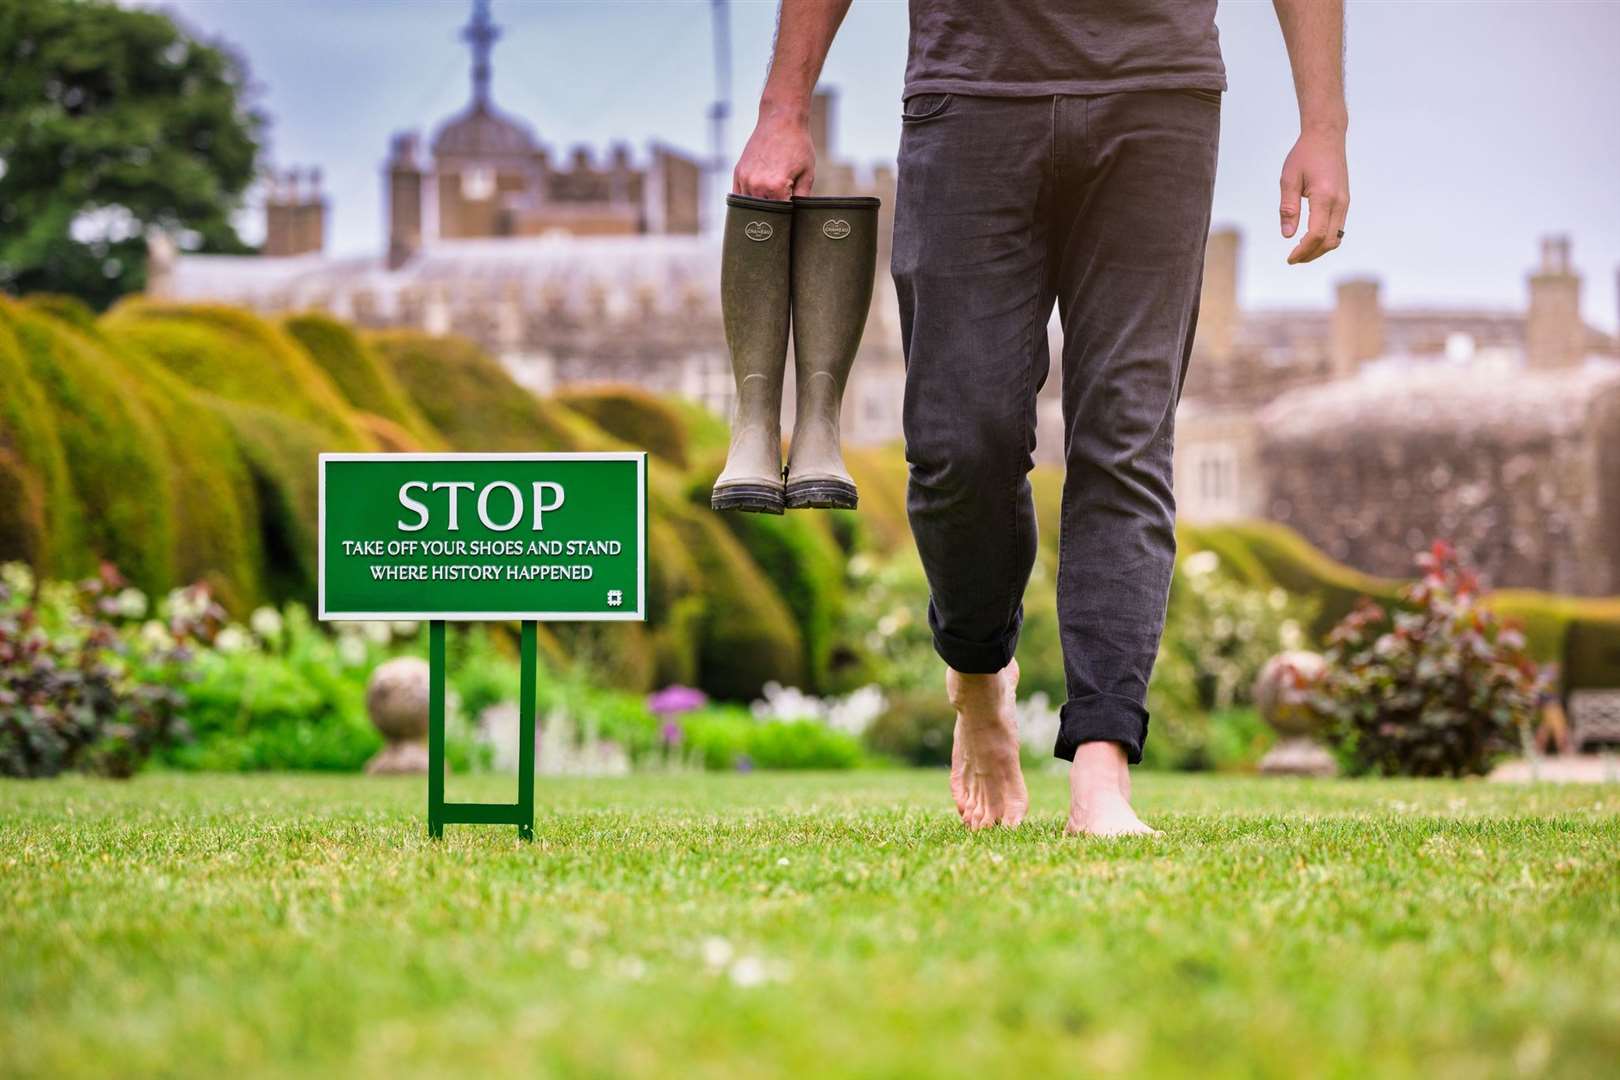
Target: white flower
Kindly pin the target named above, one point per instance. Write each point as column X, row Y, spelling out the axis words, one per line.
column 232, row 639
column 378, row 633
column 854, row 714
column 403, row 628
column 18, row 578
column 351, row 650
column 130, row 603
column 155, row 636
column 748, row 972
column 267, row 623
column 1200, row 563
column 717, row 953
column 187, row 604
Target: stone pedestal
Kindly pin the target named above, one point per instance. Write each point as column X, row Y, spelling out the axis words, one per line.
column 397, row 702
column 1300, row 755
column 1281, row 696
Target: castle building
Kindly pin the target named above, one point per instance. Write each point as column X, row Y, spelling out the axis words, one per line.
column 1375, row 431
column 570, row 272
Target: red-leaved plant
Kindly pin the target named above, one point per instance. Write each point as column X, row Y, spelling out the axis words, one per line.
column 1439, row 688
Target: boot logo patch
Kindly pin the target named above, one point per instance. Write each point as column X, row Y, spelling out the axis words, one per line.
column 758, row 230
column 835, row 228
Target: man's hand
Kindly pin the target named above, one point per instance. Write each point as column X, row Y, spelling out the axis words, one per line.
column 779, row 161
column 1316, row 170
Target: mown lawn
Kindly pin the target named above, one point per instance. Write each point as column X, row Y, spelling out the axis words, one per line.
column 809, row 924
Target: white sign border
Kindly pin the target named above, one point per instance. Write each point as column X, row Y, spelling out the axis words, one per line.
column 638, row 615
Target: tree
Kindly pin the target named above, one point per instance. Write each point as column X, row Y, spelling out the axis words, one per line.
column 114, row 122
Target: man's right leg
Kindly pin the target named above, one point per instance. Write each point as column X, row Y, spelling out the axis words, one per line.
column 970, row 268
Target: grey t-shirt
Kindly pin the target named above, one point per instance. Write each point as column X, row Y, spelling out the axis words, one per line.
column 1014, row 48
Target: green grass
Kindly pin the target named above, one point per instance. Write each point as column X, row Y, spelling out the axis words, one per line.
column 251, row 926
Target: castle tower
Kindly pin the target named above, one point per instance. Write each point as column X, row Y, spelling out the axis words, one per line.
column 1358, row 325
column 1218, row 313
column 1555, row 337
column 404, row 180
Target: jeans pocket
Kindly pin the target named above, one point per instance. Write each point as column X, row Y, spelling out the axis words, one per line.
column 919, row 107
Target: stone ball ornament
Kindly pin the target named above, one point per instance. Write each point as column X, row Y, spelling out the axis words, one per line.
column 1280, row 691
column 397, row 702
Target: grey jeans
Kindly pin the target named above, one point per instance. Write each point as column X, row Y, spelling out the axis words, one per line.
column 1005, row 206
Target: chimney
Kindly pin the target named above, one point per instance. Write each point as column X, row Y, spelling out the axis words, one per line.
column 1218, row 312
column 1554, row 335
column 404, row 200
column 821, row 107
column 1358, row 325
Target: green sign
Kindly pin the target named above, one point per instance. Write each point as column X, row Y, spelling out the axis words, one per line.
column 483, row 536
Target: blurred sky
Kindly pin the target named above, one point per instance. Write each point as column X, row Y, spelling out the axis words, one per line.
column 1475, row 127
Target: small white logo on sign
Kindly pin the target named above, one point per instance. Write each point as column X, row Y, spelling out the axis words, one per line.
column 615, row 598
column 758, row 230
column 835, row 228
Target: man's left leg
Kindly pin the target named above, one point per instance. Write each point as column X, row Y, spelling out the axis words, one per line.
column 1137, row 171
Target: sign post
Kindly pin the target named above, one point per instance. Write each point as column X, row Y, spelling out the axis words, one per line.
column 483, row 537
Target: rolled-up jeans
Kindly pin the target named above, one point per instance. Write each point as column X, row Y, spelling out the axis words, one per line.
column 1005, row 206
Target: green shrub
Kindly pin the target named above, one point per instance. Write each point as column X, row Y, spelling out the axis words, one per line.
column 633, row 416
column 706, row 434
column 76, row 692
column 915, row 727
column 40, row 519
column 1227, row 630
column 1591, row 657
column 121, row 477
column 1440, row 689
column 729, row 738
column 281, row 454
column 468, row 397
column 1285, row 558
column 239, row 357
column 800, row 558
column 747, row 636
column 365, row 382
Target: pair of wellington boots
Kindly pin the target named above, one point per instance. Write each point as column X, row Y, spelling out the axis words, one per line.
column 807, row 263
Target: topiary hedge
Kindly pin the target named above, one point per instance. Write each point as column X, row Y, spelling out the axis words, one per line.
column 800, row 557
column 746, row 635
column 365, row 382
column 468, row 397
column 41, row 521
column 1262, row 552
column 121, row 476
column 633, row 416
column 239, row 357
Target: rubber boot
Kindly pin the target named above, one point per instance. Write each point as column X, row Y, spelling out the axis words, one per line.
column 755, row 265
column 834, row 258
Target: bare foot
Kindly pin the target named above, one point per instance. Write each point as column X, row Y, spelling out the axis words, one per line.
column 1100, row 793
column 987, row 781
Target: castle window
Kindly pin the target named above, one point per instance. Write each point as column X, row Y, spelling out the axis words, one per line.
column 477, row 183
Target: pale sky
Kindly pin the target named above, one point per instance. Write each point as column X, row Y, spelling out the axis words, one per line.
column 1475, row 127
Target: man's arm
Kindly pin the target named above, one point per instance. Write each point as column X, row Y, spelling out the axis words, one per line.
column 779, row 160
column 1315, row 168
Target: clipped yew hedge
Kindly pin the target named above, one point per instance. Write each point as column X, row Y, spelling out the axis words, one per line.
column 633, row 416
column 468, row 397
column 41, row 521
column 365, row 382
column 120, row 474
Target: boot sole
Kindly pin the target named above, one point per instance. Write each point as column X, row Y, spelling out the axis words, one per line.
column 748, row 498
column 820, row 495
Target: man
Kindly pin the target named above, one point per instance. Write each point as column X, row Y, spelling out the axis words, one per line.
column 1053, row 151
